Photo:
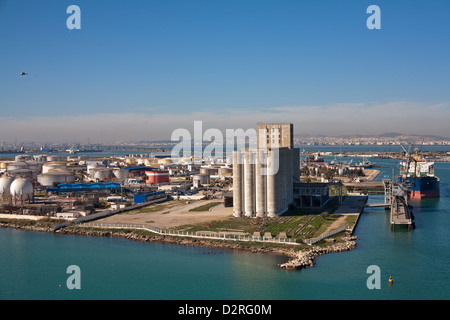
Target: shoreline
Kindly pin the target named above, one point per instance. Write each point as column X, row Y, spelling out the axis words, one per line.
column 297, row 259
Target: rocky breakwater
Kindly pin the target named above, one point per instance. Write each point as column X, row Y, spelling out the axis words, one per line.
column 307, row 259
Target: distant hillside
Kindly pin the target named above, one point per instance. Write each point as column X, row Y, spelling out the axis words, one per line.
column 390, row 134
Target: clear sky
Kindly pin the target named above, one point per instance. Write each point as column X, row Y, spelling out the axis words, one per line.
column 140, row 69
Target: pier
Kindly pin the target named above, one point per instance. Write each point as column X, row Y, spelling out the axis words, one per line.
column 401, row 214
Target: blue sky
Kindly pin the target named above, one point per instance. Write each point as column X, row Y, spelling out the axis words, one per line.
column 140, row 69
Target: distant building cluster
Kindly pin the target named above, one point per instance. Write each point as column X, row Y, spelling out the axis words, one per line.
column 370, row 140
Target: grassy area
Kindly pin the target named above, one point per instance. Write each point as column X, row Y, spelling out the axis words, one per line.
column 206, row 207
column 297, row 223
column 296, row 227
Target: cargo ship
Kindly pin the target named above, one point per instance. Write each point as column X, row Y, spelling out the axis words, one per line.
column 419, row 175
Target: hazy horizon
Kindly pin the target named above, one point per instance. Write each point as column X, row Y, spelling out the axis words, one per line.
column 139, row 70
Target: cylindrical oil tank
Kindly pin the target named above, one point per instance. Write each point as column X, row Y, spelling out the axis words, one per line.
column 55, row 177
column 17, row 165
column 24, row 173
column 4, row 165
column 48, row 166
column 202, row 178
column 225, row 170
column 120, row 174
column 208, row 170
column 52, row 158
column 34, row 165
column 22, row 157
column 157, row 176
column 93, row 166
column 102, row 173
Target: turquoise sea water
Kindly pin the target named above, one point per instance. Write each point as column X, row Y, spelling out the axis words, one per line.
column 33, row 265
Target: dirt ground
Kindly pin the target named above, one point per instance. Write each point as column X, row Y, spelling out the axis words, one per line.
column 173, row 214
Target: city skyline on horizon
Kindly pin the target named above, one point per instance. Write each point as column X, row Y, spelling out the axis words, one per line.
column 141, row 71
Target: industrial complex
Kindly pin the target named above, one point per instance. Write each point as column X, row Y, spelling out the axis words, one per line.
column 254, row 182
column 78, row 185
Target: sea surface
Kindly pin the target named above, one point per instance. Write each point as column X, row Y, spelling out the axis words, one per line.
column 33, row 265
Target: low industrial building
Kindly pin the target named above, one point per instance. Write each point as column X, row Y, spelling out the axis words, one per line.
column 311, row 194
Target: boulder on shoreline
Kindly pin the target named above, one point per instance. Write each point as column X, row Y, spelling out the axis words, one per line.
column 306, row 259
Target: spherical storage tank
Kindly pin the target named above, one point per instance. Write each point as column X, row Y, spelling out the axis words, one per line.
column 5, row 185
column 21, row 189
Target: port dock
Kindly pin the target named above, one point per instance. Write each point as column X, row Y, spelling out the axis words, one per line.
column 401, row 214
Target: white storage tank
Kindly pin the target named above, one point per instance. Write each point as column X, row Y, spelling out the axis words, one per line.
column 55, row 177
column 101, row 173
column 52, row 158
column 49, row 166
column 22, row 157
column 208, row 170
column 4, row 165
column 24, row 173
column 225, row 170
column 5, row 185
column 120, row 174
column 17, row 165
column 200, row 179
column 21, row 189
column 92, row 166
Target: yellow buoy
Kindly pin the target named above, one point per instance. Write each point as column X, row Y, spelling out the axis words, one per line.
column 391, row 281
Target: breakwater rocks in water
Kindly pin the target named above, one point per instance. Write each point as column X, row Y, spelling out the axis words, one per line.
column 307, row 259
